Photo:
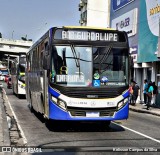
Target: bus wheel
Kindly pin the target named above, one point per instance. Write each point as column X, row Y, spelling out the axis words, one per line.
column 31, row 108
column 19, row 96
column 52, row 125
column 48, row 123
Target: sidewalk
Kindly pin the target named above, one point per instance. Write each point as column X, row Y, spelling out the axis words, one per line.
column 143, row 109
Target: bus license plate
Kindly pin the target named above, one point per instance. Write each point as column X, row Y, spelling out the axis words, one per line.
column 92, row 114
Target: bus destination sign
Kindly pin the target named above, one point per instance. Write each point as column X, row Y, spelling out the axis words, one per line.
column 89, row 36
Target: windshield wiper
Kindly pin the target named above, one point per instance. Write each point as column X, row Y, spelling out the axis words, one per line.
column 76, row 58
column 106, row 55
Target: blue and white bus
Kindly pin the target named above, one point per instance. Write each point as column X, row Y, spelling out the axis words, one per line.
column 78, row 73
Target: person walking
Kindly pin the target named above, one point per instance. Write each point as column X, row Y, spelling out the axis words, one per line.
column 149, row 94
column 131, row 93
column 145, row 87
column 155, row 92
column 135, row 88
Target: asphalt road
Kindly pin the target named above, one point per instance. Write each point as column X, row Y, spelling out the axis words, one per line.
column 139, row 131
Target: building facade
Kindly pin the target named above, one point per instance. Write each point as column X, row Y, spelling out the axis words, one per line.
column 94, row 13
column 140, row 19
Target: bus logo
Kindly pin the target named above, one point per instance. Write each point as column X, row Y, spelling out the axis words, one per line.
column 96, row 83
column 96, row 76
column 104, row 79
column 93, row 104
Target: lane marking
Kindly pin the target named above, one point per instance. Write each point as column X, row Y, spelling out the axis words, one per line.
column 139, row 133
column 19, row 127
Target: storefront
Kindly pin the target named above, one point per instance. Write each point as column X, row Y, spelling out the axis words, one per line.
column 158, row 85
column 148, row 41
column 140, row 19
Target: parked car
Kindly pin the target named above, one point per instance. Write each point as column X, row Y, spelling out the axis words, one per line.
column 1, row 77
column 9, row 83
column 6, row 78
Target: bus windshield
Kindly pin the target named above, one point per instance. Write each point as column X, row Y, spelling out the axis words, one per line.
column 110, row 65
column 83, row 65
column 73, row 65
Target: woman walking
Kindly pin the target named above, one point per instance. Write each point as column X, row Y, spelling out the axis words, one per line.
column 149, row 94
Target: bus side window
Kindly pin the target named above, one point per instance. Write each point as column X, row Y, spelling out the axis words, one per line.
column 46, row 57
column 58, row 62
column 46, row 49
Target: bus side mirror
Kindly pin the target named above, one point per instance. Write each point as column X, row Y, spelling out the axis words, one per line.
column 46, row 60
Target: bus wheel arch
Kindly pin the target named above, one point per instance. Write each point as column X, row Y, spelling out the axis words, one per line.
column 30, row 104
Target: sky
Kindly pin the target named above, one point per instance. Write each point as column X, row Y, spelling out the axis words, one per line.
column 32, row 18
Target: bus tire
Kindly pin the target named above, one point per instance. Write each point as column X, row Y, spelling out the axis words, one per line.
column 19, row 96
column 52, row 125
column 48, row 123
column 31, row 108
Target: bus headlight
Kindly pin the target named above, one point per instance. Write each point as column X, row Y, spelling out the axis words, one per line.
column 59, row 102
column 122, row 103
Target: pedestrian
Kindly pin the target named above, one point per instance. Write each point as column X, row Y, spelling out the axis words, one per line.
column 145, row 87
column 149, row 94
column 131, row 93
column 155, row 92
column 135, row 88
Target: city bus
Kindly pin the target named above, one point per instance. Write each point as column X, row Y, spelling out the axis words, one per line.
column 76, row 73
column 18, row 75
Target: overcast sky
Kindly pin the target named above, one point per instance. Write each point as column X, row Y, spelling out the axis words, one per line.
column 33, row 18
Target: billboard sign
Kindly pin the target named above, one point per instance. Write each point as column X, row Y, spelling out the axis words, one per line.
column 117, row 4
column 127, row 22
column 148, row 31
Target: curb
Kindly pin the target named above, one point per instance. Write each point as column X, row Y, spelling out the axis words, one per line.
column 143, row 111
column 5, row 129
column 17, row 137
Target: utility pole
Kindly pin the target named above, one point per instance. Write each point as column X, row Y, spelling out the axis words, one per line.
column 8, row 62
column 158, row 44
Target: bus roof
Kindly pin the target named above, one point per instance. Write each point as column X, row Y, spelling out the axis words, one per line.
column 70, row 27
column 87, row 27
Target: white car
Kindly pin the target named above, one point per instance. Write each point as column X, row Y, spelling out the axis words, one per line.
column 1, row 77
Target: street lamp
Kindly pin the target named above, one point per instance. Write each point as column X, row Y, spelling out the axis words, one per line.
column 12, row 34
column 8, row 61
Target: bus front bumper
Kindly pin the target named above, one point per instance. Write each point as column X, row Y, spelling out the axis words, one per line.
column 56, row 113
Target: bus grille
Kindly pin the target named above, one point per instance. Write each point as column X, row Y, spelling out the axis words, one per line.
column 81, row 112
column 85, row 92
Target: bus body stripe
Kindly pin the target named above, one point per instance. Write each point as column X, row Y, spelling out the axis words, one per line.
column 126, row 94
column 56, row 113
column 53, row 92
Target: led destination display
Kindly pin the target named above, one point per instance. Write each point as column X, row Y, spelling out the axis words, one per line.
column 89, row 35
